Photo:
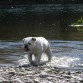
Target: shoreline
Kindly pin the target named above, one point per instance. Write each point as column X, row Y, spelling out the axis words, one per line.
column 40, row 74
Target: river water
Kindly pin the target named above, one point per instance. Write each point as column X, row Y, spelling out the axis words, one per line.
column 66, row 54
column 48, row 20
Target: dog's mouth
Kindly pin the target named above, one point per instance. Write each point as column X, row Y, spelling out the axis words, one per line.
column 26, row 48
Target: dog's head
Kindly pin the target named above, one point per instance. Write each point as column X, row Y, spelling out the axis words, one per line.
column 29, row 43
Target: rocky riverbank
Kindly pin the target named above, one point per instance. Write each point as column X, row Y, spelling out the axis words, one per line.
column 40, row 74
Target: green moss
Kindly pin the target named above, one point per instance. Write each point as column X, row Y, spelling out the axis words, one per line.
column 78, row 22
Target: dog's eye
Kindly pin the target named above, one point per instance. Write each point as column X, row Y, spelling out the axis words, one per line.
column 29, row 43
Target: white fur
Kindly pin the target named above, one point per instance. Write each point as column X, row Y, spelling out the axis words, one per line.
column 38, row 46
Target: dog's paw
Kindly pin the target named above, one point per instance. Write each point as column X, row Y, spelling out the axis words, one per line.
column 33, row 63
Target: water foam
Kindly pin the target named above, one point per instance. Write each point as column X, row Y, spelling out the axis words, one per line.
column 64, row 61
column 23, row 60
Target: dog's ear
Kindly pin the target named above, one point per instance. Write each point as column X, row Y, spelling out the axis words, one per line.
column 34, row 39
column 23, row 40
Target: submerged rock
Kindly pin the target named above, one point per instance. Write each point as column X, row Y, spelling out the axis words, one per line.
column 2, row 79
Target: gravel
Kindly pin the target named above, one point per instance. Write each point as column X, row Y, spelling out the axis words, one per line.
column 40, row 74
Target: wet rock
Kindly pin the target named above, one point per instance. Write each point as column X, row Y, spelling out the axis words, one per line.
column 30, row 81
column 80, row 80
column 2, row 79
column 36, row 80
column 68, row 73
column 72, row 72
column 12, row 73
column 73, row 80
column 47, row 69
column 49, row 78
column 78, row 72
column 18, row 80
column 43, row 74
column 67, row 76
column 1, row 69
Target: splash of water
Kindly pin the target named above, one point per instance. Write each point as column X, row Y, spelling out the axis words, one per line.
column 23, row 60
column 64, row 61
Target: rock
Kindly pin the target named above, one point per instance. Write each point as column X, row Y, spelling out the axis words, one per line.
column 36, row 80
column 2, row 79
column 47, row 69
column 30, row 81
column 43, row 74
column 12, row 73
column 18, row 80
column 81, row 80
column 50, row 78
column 72, row 72
column 73, row 80
column 78, row 72
column 68, row 73
column 1, row 69
column 22, row 69
column 67, row 76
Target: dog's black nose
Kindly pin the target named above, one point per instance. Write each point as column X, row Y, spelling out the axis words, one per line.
column 26, row 48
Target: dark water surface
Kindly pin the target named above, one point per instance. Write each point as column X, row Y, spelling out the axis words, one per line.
column 49, row 20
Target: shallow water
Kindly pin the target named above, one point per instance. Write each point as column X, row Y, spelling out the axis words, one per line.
column 66, row 54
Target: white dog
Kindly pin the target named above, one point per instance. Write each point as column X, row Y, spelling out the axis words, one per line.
column 37, row 46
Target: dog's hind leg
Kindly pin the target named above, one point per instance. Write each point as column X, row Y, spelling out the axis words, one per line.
column 49, row 53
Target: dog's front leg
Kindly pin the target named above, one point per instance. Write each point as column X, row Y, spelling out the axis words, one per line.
column 37, row 59
column 30, row 58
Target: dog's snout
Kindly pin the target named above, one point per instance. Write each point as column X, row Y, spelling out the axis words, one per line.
column 26, row 48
